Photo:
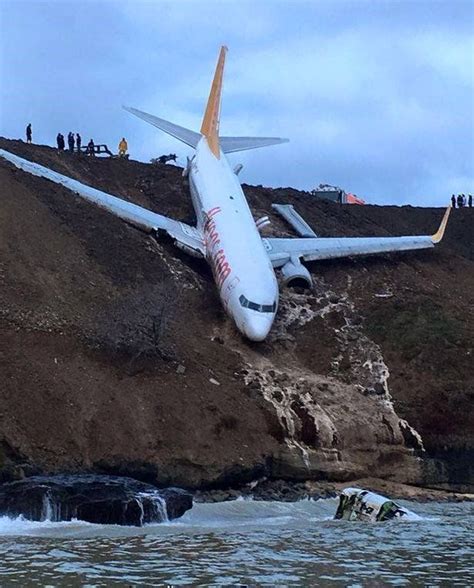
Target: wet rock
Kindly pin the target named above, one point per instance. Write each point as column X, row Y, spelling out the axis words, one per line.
column 285, row 491
column 218, row 495
column 91, row 498
column 177, row 501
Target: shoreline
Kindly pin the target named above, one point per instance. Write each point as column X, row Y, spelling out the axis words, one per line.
column 285, row 491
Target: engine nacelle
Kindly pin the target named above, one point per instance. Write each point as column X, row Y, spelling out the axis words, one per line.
column 296, row 275
column 263, row 221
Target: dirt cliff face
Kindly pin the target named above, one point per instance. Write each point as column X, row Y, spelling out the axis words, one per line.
column 117, row 356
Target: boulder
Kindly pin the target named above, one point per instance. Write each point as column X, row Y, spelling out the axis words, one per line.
column 92, row 498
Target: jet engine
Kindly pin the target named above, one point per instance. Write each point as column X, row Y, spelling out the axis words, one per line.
column 296, row 275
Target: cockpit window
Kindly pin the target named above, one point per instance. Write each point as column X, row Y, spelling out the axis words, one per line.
column 258, row 307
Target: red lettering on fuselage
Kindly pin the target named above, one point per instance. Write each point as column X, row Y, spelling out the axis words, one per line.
column 215, row 253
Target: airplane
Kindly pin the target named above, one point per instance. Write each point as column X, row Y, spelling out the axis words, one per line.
column 226, row 235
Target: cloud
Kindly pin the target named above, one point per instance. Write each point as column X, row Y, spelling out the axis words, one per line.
column 375, row 97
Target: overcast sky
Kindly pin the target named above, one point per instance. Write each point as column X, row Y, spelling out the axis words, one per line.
column 376, row 97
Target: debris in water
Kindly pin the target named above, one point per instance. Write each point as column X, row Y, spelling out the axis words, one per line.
column 361, row 505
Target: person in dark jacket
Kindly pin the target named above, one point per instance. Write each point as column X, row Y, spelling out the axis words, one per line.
column 453, row 201
column 460, row 201
column 78, row 142
column 60, row 141
column 91, row 148
column 70, row 141
column 28, row 133
column 469, row 200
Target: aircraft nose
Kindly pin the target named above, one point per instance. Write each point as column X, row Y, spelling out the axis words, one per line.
column 256, row 328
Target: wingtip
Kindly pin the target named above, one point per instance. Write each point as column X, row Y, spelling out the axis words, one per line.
column 436, row 238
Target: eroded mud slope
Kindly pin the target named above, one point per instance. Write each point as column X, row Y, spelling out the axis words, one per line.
column 116, row 355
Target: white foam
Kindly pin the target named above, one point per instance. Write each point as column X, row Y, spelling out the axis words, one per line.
column 21, row 526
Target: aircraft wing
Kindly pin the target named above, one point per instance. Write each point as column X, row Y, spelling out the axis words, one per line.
column 281, row 250
column 149, row 221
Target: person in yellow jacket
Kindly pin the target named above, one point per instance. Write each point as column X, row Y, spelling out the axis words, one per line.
column 122, row 148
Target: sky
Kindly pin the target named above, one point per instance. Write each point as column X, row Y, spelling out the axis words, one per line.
column 376, row 97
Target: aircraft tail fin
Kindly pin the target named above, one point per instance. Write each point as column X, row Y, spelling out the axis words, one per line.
column 232, row 144
column 191, row 138
column 210, row 123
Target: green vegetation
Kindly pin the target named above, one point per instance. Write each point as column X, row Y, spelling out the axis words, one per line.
column 412, row 327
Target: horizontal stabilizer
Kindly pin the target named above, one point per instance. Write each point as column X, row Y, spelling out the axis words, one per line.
column 185, row 135
column 232, row 144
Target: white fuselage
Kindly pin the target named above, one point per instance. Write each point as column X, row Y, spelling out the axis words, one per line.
column 242, row 269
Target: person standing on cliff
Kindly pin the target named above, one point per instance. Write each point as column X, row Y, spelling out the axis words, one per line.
column 459, row 201
column 78, row 142
column 70, row 141
column 453, row 201
column 60, row 141
column 469, row 201
column 91, row 148
column 122, row 148
column 28, row 133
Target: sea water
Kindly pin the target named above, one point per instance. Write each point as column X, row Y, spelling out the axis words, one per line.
column 246, row 543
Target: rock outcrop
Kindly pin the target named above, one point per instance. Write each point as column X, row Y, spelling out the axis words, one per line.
column 117, row 357
column 94, row 499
